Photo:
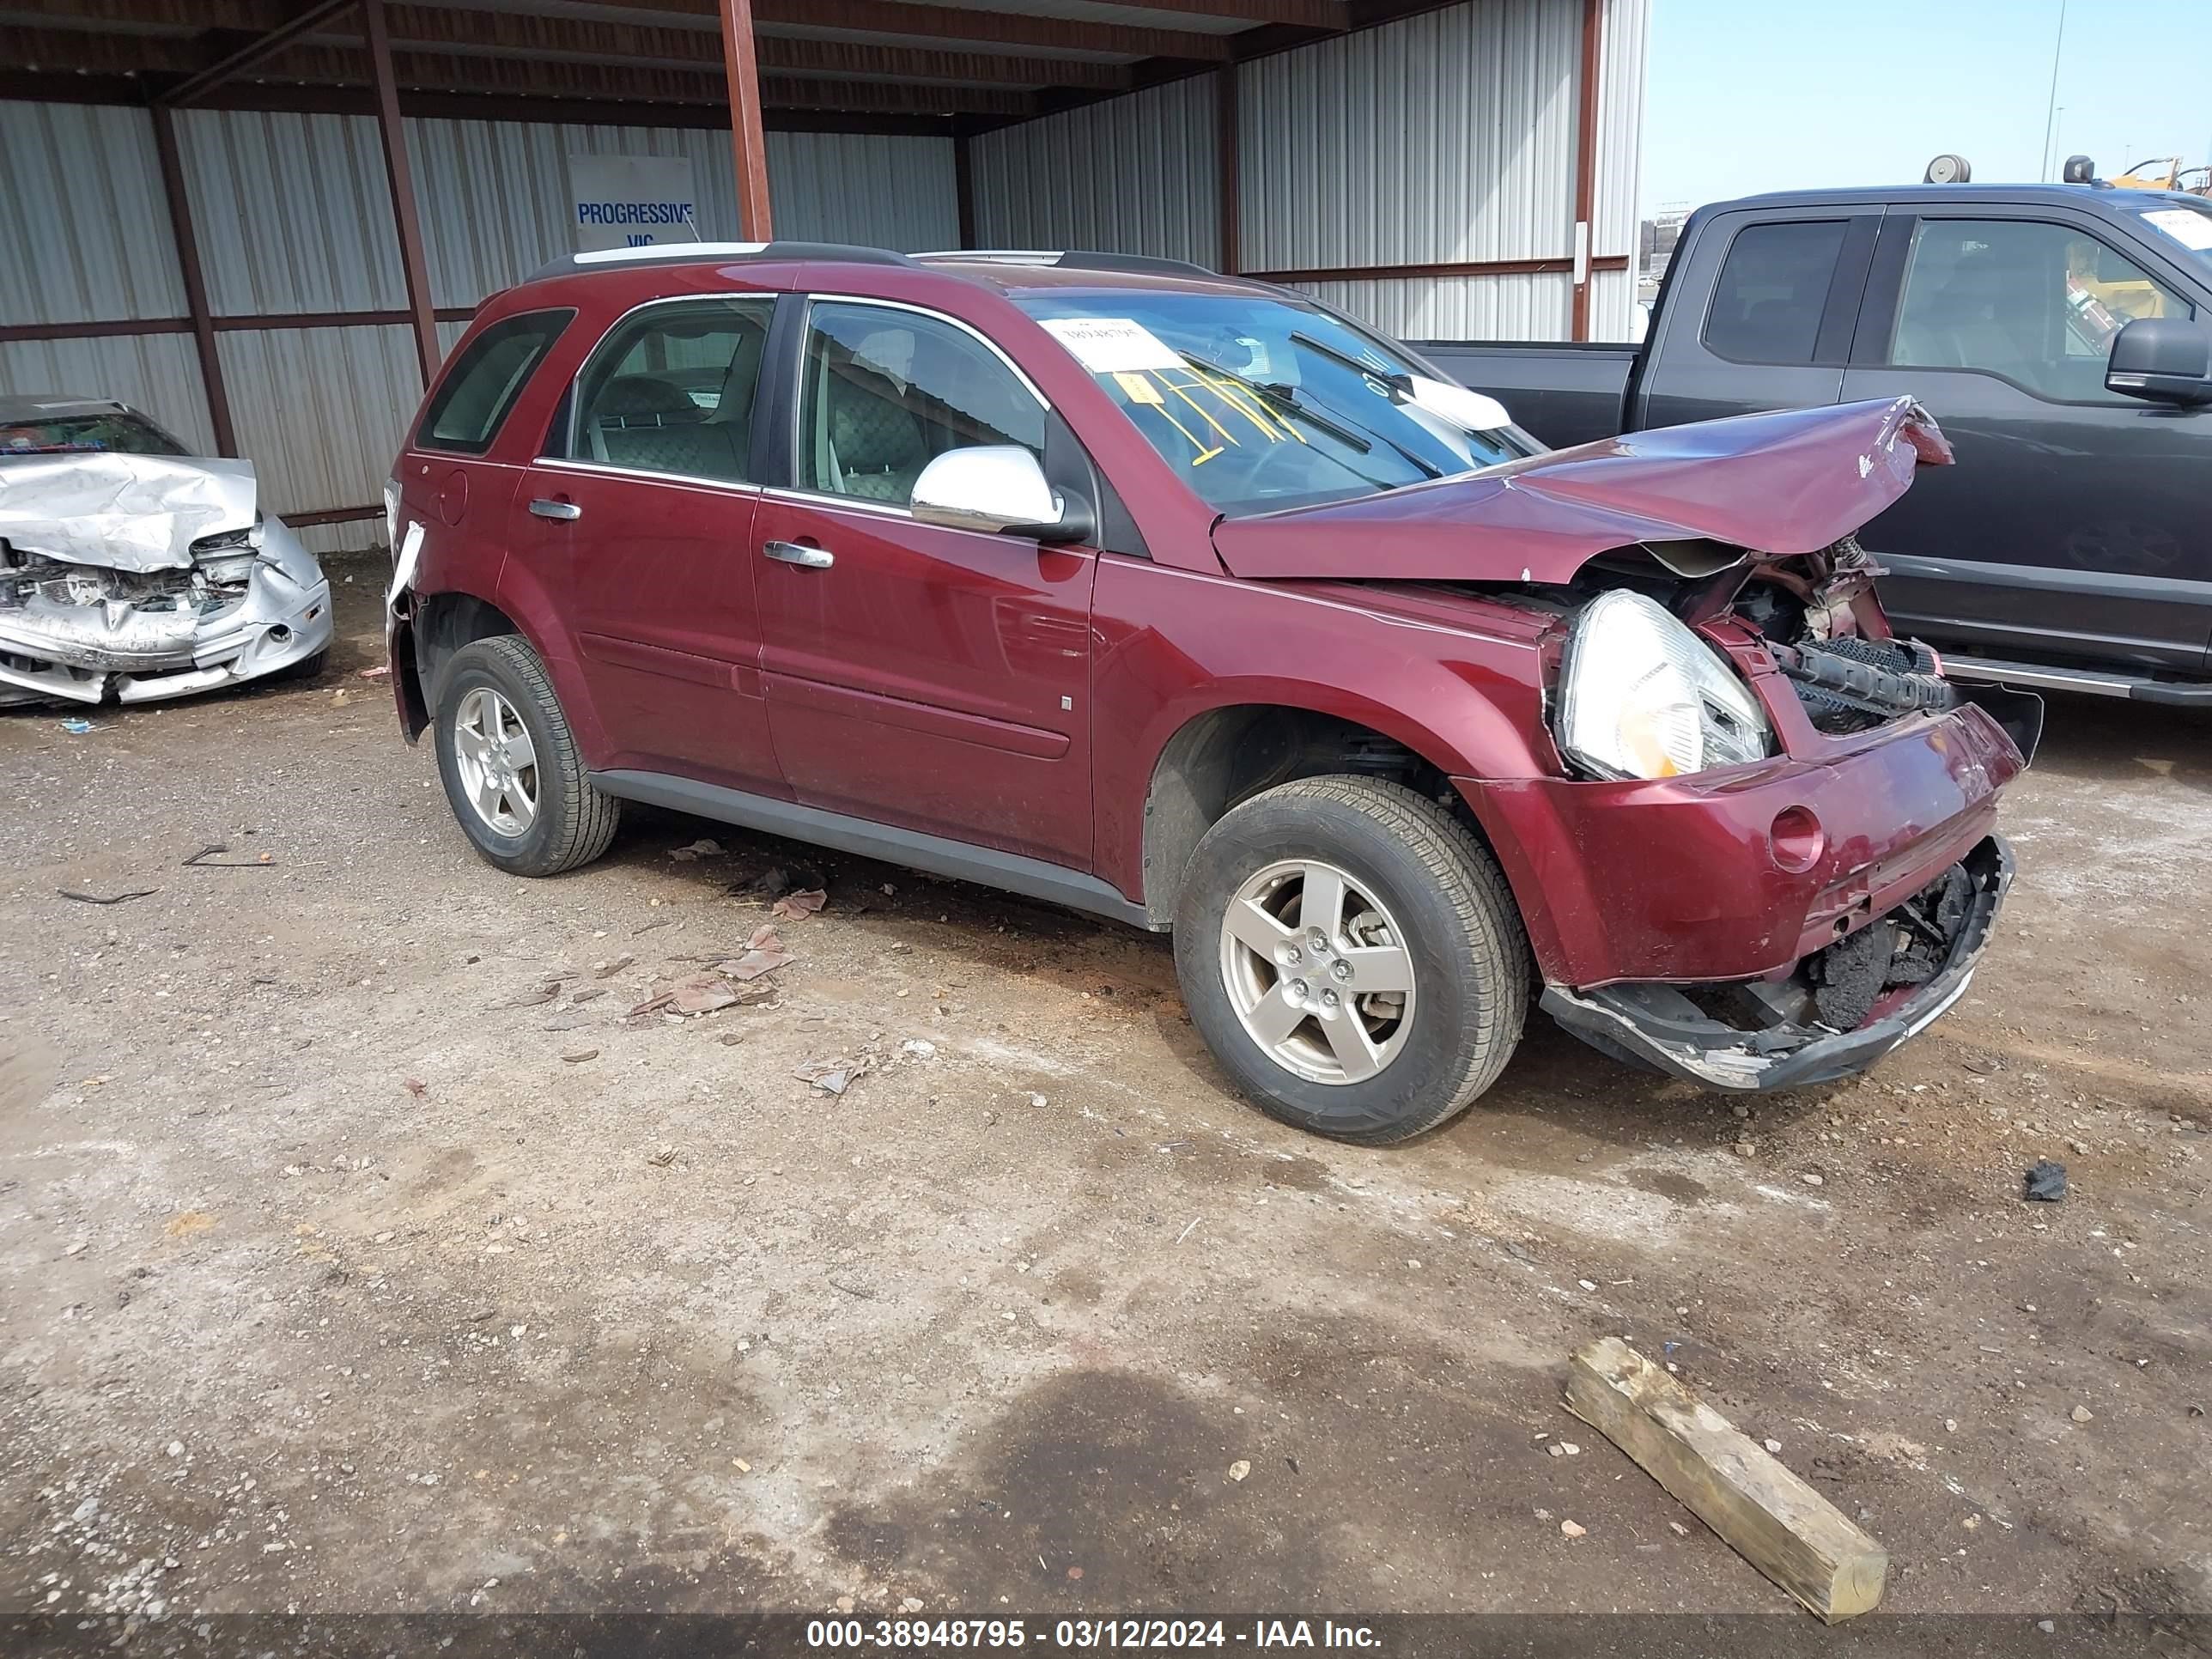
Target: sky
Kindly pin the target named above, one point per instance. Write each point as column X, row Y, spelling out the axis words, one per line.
column 1748, row 95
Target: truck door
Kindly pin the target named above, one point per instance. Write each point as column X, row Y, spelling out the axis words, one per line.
column 1786, row 285
column 2075, row 522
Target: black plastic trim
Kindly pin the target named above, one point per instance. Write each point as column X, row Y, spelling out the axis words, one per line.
column 1718, row 1056
column 937, row 856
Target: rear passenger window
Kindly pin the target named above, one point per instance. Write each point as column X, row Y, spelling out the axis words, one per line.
column 1773, row 287
column 473, row 400
column 671, row 389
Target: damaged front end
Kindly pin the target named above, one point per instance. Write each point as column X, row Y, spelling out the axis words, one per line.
column 142, row 578
column 1839, row 1010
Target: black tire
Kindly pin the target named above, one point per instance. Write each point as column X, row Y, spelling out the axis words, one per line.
column 307, row 668
column 574, row 821
column 1463, row 934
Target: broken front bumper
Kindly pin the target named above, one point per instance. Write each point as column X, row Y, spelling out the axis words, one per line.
column 1676, row 1028
column 78, row 652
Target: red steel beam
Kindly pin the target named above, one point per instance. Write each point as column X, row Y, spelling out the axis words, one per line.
column 254, row 52
column 188, row 266
column 748, row 146
column 1463, row 268
column 404, row 218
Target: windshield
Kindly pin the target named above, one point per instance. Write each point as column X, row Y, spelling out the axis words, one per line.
column 1260, row 403
column 2190, row 228
column 132, row 435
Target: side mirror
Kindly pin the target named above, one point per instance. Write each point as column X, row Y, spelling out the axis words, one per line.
column 999, row 488
column 2165, row 359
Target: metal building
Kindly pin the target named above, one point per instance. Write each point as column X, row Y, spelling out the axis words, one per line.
column 262, row 220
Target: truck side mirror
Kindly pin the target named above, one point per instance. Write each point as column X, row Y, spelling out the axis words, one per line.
column 2163, row 359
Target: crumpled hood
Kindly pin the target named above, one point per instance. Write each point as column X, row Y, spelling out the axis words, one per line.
column 122, row 512
column 1791, row 482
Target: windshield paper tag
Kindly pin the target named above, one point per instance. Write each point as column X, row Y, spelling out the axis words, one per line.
column 1139, row 390
column 2186, row 226
column 1112, row 345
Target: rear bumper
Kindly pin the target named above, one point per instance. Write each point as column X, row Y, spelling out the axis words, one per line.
column 1659, row 1024
column 1688, row 880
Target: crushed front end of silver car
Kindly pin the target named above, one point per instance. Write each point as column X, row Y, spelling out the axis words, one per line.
column 147, row 577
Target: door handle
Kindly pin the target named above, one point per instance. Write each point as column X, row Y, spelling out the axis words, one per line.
column 563, row 510
column 813, row 558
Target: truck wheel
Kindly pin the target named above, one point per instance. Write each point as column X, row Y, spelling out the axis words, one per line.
column 1353, row 957
column 512, row 772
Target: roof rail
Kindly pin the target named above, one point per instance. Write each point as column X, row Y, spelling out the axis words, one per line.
column 670, row 253
column 1071, row 259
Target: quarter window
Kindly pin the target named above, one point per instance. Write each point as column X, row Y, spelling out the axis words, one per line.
column 671, row 388
column 1773, row 290
column 473, row 400
column 2034, row 303
column 887, row 391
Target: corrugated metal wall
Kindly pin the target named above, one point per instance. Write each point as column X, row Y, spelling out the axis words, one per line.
column 1139, row 174
column 1446, row 138
column 294, row 216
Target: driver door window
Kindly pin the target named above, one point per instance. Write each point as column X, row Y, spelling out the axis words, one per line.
column 2035, row 303
column 886, row 392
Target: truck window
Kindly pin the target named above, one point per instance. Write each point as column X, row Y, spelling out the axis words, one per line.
column 2035, row 303
column 474, row 397
column 1772, row 289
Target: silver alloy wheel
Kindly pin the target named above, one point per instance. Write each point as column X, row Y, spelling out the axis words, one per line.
column 1317, row 970
column 498, row 762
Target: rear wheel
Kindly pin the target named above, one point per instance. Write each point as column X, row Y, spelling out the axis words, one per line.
column 510, row 765
column 1351, row 956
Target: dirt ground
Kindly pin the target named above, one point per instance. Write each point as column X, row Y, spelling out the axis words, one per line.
column 339, row 1273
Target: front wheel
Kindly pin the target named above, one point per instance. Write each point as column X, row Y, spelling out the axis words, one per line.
column 512, row 774
column 1353, row 957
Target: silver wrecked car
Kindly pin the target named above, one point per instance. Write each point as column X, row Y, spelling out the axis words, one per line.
column 128, row 566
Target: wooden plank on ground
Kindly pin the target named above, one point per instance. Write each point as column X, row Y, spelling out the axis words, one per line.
column 1765, row 1513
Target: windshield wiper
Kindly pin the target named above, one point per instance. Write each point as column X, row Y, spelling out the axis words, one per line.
column 1275, row 391
column 1397, row 380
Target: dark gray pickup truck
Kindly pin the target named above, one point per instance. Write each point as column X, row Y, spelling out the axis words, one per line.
column 2060, row 334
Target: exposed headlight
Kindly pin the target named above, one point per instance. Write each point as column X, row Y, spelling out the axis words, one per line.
column 392, row 513
column 1642, row 697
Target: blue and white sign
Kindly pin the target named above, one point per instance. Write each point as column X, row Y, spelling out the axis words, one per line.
column 630, row 200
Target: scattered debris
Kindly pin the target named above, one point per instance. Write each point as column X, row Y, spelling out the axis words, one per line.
column 697, row 849
column 795, row 906
column 661, row 1156
column 382, row 671
column 578, row 1056
column 763, row 954
column 1771, row 1517
column 919, row 1048
column 1573, row 1530
column 341, row 697
column 207, row 858
column 1240, row 1468
column 2081, row 1414
column 609, row 968
column 94, row 899
column 2046, row 1181
column 416, row 1087
column 832, row 1076
column 75, row 727
column 702, row 993
column 545, row 992
column 835, row 1284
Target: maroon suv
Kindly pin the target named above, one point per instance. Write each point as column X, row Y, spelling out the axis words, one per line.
column 1189, row 602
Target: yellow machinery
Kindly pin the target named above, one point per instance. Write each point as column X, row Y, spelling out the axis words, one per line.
column 2167, row 173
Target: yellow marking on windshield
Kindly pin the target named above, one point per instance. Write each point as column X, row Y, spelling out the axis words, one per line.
column 1230, row 392
column 1138, row 388
column 1227, row 436
column 1204, row 454
column 1243, row 403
